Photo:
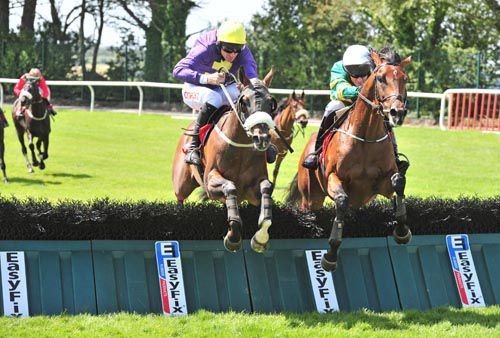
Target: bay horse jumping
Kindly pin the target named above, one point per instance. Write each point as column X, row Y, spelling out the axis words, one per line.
column 291, row 112
column 35, row 122
column 234, row 162
column 358, row 161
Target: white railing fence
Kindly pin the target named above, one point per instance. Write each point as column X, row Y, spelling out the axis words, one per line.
column 140, row 85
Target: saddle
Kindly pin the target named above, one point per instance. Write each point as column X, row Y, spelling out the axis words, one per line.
column 206, row 129
column 341, row 116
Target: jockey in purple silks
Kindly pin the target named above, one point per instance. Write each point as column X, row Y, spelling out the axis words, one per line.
column 224, row 48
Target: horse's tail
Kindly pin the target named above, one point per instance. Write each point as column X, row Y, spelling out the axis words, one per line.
column 293, row 196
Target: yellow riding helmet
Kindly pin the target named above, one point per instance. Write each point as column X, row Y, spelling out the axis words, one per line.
column 232, row 32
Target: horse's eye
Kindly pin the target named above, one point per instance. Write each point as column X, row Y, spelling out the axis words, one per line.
column 381, row 79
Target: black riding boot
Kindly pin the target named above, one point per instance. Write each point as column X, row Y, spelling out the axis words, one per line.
column 193, row 156
column 311, row 160
column 403, row 165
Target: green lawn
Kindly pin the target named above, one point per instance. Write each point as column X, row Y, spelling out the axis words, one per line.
column 128, row 157
column 445, row 322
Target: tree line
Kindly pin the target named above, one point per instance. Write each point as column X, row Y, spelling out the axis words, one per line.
column 453, row 43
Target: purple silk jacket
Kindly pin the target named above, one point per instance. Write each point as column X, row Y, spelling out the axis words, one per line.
column 205, row 58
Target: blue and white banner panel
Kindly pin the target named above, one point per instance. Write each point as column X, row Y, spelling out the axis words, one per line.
column 321, row 283
column 173, row 298
column 464, row 271
column 14, row 291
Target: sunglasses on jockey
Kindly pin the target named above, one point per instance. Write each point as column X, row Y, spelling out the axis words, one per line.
column 356, row 71
column 231, row 48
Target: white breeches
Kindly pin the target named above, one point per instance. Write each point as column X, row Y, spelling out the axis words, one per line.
column 196, row 96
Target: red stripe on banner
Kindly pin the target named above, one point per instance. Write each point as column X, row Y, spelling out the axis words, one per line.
column 164, row 296
column 461, row 289
column 488, row 112
column 494, row 113
column 457, row 105
column 469, row 110
column 495, row 109
column 463, row 111
column 482, row 111
column 450, row 110
column 476, row 101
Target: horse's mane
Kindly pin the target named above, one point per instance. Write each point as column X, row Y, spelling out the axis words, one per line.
column 282, row 105
column 389, row 55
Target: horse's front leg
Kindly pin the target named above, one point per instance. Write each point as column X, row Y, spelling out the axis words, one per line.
column 34, row 160
column 39, row 143
column 219, row 187
column 20, row 136
column 261, row 238
column 401, row 233
column 335, row 189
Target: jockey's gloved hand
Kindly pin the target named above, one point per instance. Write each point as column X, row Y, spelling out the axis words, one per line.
column 229, row 79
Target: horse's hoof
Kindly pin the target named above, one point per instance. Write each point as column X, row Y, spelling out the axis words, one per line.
column 265, row 224
column 402, row 239
column 5, row 180
column 42, row 165
column 30, row 170
column 327, row 265
column 230, row 246
column 35, row 164
column 258, row 247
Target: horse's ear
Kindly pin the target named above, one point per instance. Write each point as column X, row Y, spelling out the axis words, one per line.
column 242, row 77
column 268, row 78
column 294, row 97
column 303, row 94
column 405, row 62
column 376, row 58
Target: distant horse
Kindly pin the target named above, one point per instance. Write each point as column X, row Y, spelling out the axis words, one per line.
column 35, row 122
column 2, row 153
column 234, row 162
column 292, row 111
column 358, row 161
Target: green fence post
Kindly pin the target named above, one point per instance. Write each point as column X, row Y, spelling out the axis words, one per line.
column 478, row 69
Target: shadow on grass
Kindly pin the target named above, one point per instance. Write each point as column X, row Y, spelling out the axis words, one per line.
column 31, row 181
column 397, row 320
column 76, row 176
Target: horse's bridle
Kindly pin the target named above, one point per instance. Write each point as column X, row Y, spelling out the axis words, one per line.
column 30, row 103
column 379, row 108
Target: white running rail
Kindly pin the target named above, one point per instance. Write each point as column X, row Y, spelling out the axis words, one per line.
column 140, row 85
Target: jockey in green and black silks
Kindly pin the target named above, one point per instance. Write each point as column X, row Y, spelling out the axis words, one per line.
column 346, row 79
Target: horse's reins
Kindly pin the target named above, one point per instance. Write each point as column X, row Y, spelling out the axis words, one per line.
column 224, row 90
column 28, row 95
column 378, row 108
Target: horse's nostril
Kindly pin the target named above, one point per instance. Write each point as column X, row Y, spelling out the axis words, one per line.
column 255, row 138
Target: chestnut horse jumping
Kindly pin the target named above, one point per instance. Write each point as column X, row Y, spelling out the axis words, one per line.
column 35, row 123
column 359, row 161
column 292, row 112
column 234, row 162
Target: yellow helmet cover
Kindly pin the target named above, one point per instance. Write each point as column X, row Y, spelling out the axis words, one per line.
column 232, row 32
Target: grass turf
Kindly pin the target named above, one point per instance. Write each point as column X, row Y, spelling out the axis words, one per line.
column 129, row 157
column 443, row 322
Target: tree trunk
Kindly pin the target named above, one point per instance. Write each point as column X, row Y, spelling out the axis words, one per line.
column 27, row 28
column 81, row 41
column 174, row 36
column 56, row 22
column 4, row 17
column 100, row 4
